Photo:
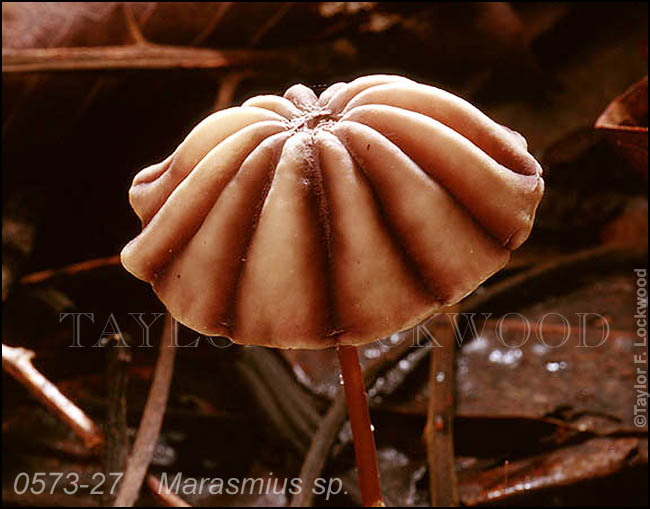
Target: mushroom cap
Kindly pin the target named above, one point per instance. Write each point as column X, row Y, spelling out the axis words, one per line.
column 306, row 222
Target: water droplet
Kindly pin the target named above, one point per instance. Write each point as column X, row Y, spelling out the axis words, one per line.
column 540, row 349
column 478, row 344
column 372, row 427
column 495, row 356
column 554, row 367
column 509, row 358
column 440, row 377
column 372, row 353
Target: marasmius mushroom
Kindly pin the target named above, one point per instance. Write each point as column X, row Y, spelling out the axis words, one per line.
column 332, row 221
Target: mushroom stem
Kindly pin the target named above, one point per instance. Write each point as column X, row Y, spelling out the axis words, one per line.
column 362, row 431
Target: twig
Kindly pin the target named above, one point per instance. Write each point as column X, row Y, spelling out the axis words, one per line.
column 318, row 452
column 133, row 56
column 295, row 407
column 18, row 363
column 166, row 496
column 438, row 432
column 274, row 410
column 115, row 428
column 69, row 270
column 222, row 10
column 150, row 423
column 365, row 452
column 271, row 22
column 132, row 25
column 228, row 87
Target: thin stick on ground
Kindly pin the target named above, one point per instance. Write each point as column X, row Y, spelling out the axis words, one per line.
column 135, row 56
column 228, row 85
column 70, row 270
column 319, row 450
column 18, row 363
column 150, row 424
column 438, row 432
column 116, row 449
column 365, row 451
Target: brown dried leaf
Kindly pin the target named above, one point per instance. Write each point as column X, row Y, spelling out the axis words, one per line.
column 590, row 460
column 625, row 121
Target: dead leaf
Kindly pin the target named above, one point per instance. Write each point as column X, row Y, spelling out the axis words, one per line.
column 625, row 122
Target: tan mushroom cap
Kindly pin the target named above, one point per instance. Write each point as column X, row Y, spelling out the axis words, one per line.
column 303, row 222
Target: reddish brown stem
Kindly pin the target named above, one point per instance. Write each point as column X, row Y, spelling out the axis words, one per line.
column 362, row 432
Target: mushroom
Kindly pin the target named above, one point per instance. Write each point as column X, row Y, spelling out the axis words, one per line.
column 332, row 221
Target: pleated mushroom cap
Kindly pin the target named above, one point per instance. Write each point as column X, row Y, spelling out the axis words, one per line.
column 304, row 221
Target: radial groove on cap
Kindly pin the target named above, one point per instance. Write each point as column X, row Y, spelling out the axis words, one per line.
column 306, row 222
